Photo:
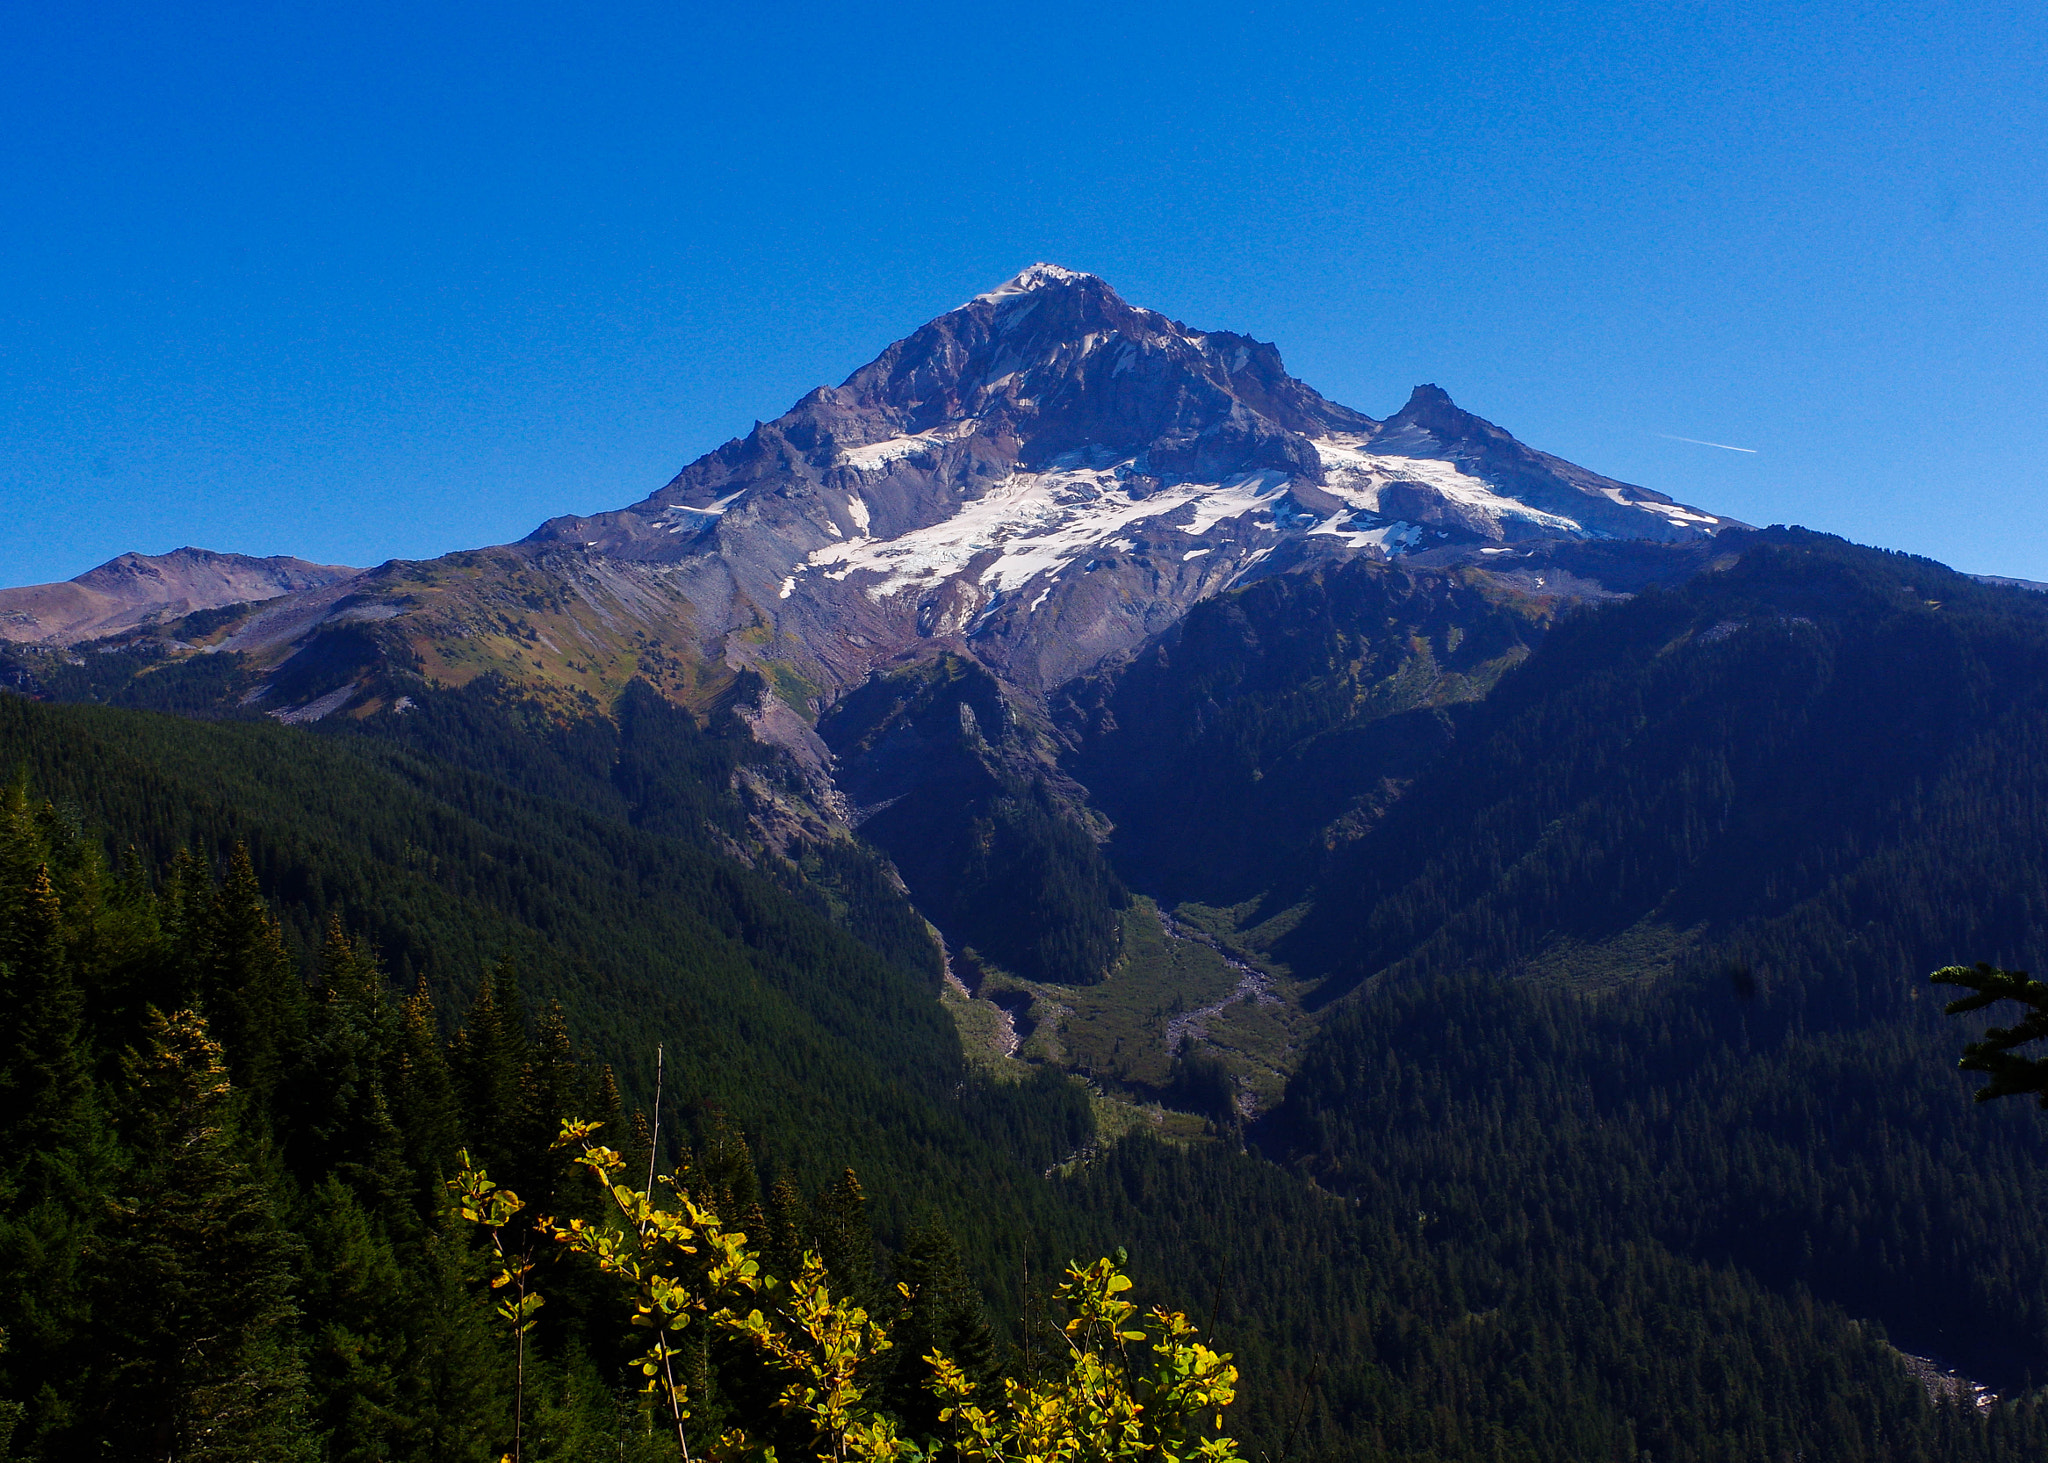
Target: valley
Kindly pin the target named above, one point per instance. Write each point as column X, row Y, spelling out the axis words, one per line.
column 1458, row 923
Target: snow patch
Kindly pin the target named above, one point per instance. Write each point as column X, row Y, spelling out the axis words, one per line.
column 684, row 519
column 875, row 456
column 1037, row 277
column 1358, row 476
column 1676, row 512
column 1039, row 522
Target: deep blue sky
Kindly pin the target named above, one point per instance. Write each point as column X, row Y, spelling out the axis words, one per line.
column 372, row 280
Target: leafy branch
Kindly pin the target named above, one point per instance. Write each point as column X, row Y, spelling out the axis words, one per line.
column 1994, row 1052
column 683, row 1266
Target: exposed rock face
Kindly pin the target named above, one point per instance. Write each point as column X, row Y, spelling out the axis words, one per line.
column 1047, row 476
column 1042, row 480
column 135, row 590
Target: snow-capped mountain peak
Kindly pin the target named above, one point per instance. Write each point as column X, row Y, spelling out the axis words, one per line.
column 1049, row 474
column 1038, row 276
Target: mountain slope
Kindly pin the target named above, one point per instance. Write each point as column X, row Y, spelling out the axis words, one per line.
column 825, row 1047
column 1605, row 839
column 1703, row 758
column 1039, row 483
column 131, row 591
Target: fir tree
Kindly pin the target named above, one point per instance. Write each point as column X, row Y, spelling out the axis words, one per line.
column 844, row 1238
column 944, row 1314
column 423, row 1099
column 248, row 986
column 492, row 1055
column 193, row 1277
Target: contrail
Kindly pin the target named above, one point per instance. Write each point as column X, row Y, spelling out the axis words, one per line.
column 1699, row 443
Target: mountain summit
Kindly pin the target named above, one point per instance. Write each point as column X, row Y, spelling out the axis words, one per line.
column 1054, row 474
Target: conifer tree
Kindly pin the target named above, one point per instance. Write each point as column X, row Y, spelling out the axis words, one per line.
column 346, row 1126
column 789, row 1228
column 553, row 1083
column 844, row 1237
column 55, row 1152
column 492, row 1055
column 252, row 995
column 423, row 1098
column 43, row 1082
column 358, row 1302
column 944, row 1314
column 193, row 1276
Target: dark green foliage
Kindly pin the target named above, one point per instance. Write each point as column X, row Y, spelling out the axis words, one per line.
column 1230, row 751
column 661, row 769
column 141, row 676
column 1808, row 725
column 970, row 816
column 363, row 1330
column 334, row 656
column 191, row 1277
column 844, row 1238
column 1414, row 1332
column 201, row 1267
column 1750, row 809
column 1202, row 1083
column 944, row 1313
column 1993, row 1053
column 808, row 1038
column 1664, row 1196
column 201, row 623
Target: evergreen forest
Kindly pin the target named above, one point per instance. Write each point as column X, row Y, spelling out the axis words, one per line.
column 1621, row 1123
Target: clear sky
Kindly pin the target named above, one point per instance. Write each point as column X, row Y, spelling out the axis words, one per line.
column 371, row 280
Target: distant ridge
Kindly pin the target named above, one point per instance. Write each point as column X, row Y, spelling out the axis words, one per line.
column 2033, row 585
column 130, row 591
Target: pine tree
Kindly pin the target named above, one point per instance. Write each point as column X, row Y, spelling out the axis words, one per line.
column 611, row 1109
column 56, row 1154
column 344, row 1124
column 492, row 1056
column 555, row 1086
column 43, row 1079
column 423, row 1099
column 789, row 1229
column 844, row 1238
column 945, row 1314
column 193, row 1276
column 254, row 1000
column 359, row 1307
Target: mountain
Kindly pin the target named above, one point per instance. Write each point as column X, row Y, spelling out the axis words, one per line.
column 1458, row 921
column 1047, row 475
column 1042, row 478
column 133, row 591
column 1019, row 496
